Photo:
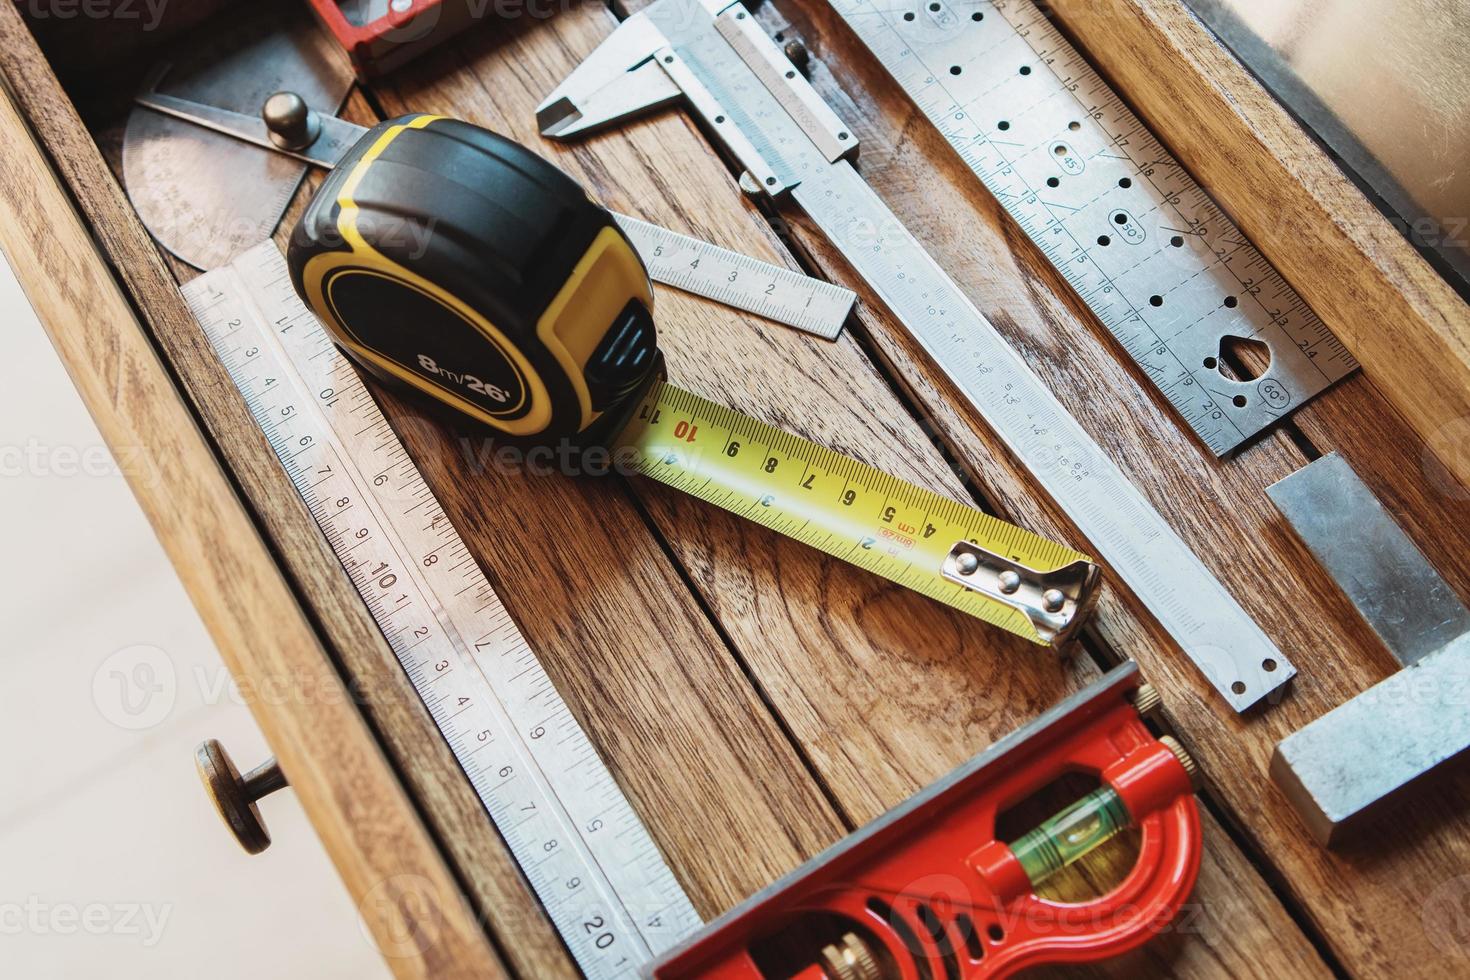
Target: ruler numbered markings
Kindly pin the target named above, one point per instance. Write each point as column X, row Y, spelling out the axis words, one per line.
column 746, row 283
column 1158, row 262
column 852, row 511
column 589, row 859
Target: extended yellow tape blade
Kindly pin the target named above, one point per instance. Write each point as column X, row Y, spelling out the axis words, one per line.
column 828, row 501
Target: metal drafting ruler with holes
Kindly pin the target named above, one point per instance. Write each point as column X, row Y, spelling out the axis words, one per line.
column 712, row 55
column 588, row 857
column 1161, row 265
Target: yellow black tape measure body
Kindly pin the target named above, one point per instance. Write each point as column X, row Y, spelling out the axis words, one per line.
column 449, row 259
column 442, row 256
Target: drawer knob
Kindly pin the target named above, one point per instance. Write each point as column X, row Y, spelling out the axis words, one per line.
column 235, row 796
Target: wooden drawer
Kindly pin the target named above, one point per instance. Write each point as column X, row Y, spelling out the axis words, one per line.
column 755, row 699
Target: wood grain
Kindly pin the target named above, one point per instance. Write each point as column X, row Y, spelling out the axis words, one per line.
column 669, row 699
column 781, row 696
column 879, row 704
column 1217, row 506
column 407, row 895
column 1407, row 326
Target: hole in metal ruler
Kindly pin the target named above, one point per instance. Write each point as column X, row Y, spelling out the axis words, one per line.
column 955, row 69
column 1002, row 125
column 1025, row 69
column 1104, row 240
column 1125, row 183
column 1238, row 687
column 909, row 15
column 1243, row 359
column 1053, row 182
column 977, row 15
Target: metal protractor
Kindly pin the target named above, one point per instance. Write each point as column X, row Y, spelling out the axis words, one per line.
column 204, row 196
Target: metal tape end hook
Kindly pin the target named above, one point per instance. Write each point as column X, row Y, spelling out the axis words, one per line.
column 1057, row 602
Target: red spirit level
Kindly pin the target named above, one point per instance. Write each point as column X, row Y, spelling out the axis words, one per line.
column 928, row 891
column 380, row 35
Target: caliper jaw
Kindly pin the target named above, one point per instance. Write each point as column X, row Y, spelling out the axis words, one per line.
column 619, row 80
column 643, row 66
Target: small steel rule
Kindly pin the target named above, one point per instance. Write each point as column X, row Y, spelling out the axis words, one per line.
column 588, row 857
column 737, row 280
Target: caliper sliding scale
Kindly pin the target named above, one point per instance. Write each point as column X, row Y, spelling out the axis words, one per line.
column 712, row 54
column 930, row 890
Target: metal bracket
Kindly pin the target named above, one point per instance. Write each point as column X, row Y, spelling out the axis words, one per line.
column 1355, row 760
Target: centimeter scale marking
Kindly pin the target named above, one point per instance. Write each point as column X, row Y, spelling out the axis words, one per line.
column 829, row 501
column 746, row 283
column 588, row 857
column 1145, row 248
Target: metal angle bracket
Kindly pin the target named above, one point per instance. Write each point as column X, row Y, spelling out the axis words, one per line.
column 1357, row 760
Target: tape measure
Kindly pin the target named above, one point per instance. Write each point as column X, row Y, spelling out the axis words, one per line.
column 526, row 308
column 859, row 514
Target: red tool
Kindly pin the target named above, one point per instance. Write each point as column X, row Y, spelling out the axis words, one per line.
column 927, row 891
column 405, row 30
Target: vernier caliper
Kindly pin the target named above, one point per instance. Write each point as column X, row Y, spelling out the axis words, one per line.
column 712, row 54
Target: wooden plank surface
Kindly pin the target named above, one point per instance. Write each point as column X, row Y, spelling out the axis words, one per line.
column 784, row 697
column 877, row 705
column 407, row 895
column 1219, row 507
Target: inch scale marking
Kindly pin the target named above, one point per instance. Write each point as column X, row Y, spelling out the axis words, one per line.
column 746, row 283
column 1158, row 262
column 579, row 843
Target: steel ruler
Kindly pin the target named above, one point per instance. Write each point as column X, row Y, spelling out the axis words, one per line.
column 579, row 843
column 700, row 51
column 1164, row 269
column 737, row 280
